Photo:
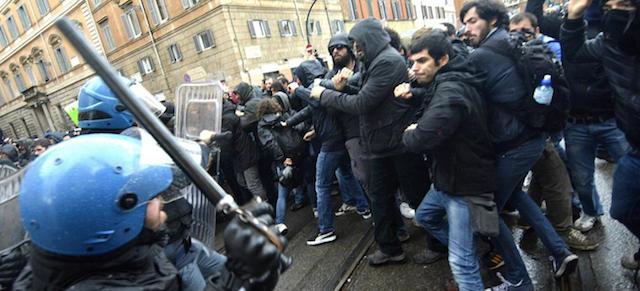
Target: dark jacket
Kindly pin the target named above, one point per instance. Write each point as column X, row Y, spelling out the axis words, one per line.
column 383, row 117
column 503, row 90
column 591, row 94
column 622, row 71
column 249, row 100
column 143, row 267
column 280, row 142
column 243, row 149
column 460, row 48
column 325, row 121
column 349, row 123
column 454, row 129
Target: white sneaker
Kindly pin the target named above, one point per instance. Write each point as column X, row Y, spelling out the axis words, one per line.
column 585, row 222
column 407, row 211
column 344, row 209
column 282, row 228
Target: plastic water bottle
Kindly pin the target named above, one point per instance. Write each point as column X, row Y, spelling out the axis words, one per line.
column 544, row 93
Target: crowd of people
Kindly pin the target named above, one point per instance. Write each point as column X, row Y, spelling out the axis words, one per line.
column 442, row 131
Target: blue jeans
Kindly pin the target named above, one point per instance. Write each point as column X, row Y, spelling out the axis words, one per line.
column 329, row 163
column 625, row 201
column 281, row 204
column 454, row 231
column 196, row 266
column 581, row 141
column 513, row 166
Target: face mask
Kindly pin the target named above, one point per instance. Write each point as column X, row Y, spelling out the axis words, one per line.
column 622, row 28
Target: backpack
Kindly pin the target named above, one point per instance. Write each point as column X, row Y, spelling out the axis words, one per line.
column 534, row 59
column 289, row 140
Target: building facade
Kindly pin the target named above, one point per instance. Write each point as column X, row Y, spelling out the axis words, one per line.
column 434, row 12
column 162, row 43
column 40, row 70
column 396, row 14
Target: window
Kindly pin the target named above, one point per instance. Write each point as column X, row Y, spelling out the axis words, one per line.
column 61, row 58
column 338, row 26
column 106, row 34
column 42, row 68
column 131, row 24
column 189, row 3
column 397, row 11
column 442, row 12
column 174, row 53
column 30, row 75
column 430, row 9
column 3, row 38
column 13, row 29
column 158, row 11
column 438, row 12
column 383, row 9
column 204, row 41
column 314, row 27
column 353, row 9
column 26, row 127
column 97, row 2
column 408, row 6
column 20, row 82
column 287, row 28
column 259, row 28
column 145, row 66
column 43, row 7
column 24, row 18
column 424, row 11
column 9, row 87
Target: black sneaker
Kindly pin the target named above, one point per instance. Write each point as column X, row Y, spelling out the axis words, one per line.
column 566, row 266
column 428, row 257
column 322, row 238
column 379, row 258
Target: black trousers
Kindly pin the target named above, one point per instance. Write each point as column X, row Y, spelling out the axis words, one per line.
column 385, row 176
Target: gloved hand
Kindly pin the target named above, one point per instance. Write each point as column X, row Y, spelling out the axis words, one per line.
column 250, row 254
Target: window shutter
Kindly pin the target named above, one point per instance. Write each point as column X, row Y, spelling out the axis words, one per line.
column 136, row 24
column 141, row 68
column 318, row 27
column 267, row 30
column 127, row 28
column 185, row 4
column 211, row 39
column 281, row 26
column 251, row 30
column 196, row 40
column 294, row 27
column 178, row 53
column 154, row 13
column 310, row 27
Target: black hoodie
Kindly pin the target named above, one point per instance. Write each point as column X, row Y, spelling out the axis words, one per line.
column 454, row 129
column 250, row 101
column 383, row 117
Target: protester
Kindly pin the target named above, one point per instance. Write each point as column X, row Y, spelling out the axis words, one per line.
column 617, row 48
column 518, row 145
column 454, row 128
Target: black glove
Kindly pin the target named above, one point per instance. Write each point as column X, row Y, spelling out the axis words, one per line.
column 251, row 256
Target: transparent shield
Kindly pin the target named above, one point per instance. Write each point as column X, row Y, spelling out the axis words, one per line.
column 11, row 227
column 198, row 107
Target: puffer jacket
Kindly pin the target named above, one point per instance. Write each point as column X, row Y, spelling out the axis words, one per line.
column 622, row 71
column 504, row 90
column 383, row 117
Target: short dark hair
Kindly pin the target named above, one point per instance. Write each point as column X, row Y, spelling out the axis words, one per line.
column 436, row 42
column 277, row 86
column 395, row 38
column 43, row 142
column 525, row 15
column 451, row 30
column 487, row 10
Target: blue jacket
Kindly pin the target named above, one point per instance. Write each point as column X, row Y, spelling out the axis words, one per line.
column 503, row 91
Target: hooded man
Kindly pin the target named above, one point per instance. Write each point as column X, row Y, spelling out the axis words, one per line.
column 249, row 103
column 618, row 49
column 383, row 118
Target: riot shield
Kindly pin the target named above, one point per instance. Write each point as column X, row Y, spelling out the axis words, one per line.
column 198, row 108
column 13, row 234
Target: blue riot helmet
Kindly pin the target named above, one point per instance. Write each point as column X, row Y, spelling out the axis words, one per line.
column 100, row 108
column 88, row 196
